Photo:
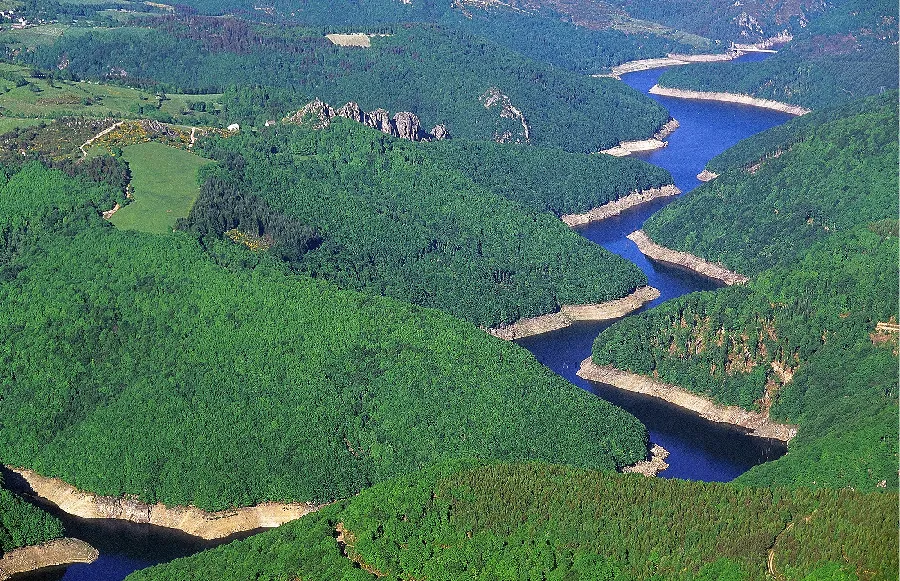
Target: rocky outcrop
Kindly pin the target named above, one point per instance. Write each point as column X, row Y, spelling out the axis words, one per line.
column 569, row 314
column 685, row 260
column 495, row 98
column 758, row 424
column 729, row 98
column 189, row 519
column 651, row 467
column 656, row 142
column 707, row 176
column 404, row 124
column 57, row 553
column 616, row 207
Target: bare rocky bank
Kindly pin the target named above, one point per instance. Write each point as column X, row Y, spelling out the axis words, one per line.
column 189, row 519
column 759, row 424
column 569, row 314
column 729, row 98
column 616, row 207
column 656, row 142
column 659, row 253
column 651, row 467
column 707, row 176
column 56, row 553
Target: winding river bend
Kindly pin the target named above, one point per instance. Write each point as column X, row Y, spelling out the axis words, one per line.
column 699, row 449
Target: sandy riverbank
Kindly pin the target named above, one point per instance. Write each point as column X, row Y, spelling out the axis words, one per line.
column 56, row 553
column 670, row 60
column 659, row 253
column 729, row 98
column 191, row 520
column 758, row 424
column 656, row 142
column 569, row 314
column 616, row 207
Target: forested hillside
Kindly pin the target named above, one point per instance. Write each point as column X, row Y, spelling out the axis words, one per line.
column 847, row 53
column 536, row 521
column 228, row 385
column 548, row 180
column 394, row 221
column 23, row 525
column 816, row 223
column 439, row 73
column 790, row 187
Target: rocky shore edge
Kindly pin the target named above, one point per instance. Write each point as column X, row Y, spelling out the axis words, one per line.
column 707, row 176
column 660, row 253
column 651, row 467
column 757, row 423
column 55, row 553
column 729, row 98
column 569, row 314
column 188, row 519
column 616, row 207
column 656, row 142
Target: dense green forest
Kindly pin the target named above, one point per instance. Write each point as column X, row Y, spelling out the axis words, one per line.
column 438, row 73
column 393, row 221
column 23, row 525
column 548, row 180
column 811, row 180
column 816, row 224
column 847, row 53
column 230, row 385
column 538, row 521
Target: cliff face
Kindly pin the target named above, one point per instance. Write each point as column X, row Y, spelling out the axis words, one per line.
column 494, row 98
column 404, row 124
column 191, row 520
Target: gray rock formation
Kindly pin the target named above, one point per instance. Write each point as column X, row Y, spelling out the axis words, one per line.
column 405, row 125
column 408, row 126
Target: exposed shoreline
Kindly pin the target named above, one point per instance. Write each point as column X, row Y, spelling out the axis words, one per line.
column 569, row 314
column 656, row 142
column 759, row 424
column 651, row 467
column 616, row 207
column 707, row 176
column 703, row 267
column 729, row 98
column 55, row 553
column 189, row 519
column 670, row 60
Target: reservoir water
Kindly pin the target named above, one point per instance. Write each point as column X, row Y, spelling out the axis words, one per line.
column 699, row 449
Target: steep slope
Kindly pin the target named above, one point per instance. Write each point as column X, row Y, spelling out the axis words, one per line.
column 789, row 188
column 847, row 53
column 134, row 364
column 808, row 341
column 396, row 221
column 534, row 521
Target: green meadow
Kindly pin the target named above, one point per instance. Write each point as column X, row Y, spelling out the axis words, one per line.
column 165, row 187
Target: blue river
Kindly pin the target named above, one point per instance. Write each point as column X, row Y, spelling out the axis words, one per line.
column 699, row 449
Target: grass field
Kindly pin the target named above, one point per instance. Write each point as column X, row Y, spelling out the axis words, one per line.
column 25, row 97
column 165, row 187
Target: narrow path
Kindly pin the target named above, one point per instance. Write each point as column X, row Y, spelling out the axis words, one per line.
column 88, row 143
column 771, row 559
